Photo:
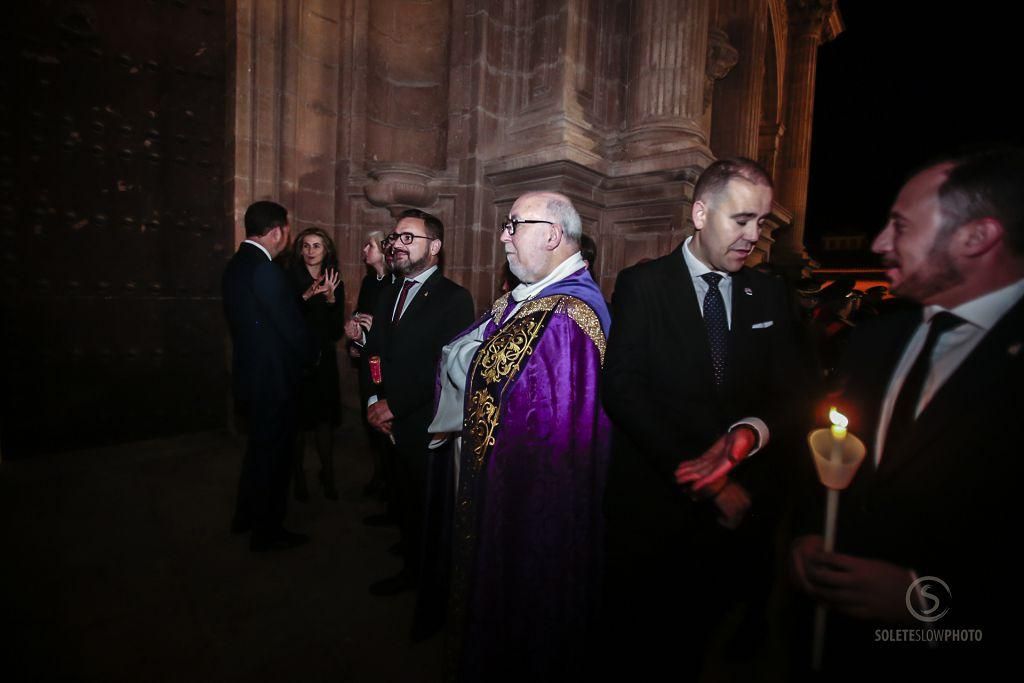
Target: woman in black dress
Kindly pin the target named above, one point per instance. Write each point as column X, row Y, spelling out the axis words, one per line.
column 314, row 270
column 378, row 278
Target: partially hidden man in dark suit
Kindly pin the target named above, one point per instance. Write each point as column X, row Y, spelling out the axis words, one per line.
column 700, row 375
column 414, row 319
column 936, row 395
column 271, row 350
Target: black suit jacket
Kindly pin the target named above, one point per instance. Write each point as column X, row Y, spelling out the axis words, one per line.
column 947, row 504
column 658, row 389
column 409, row 351
column 272, row 345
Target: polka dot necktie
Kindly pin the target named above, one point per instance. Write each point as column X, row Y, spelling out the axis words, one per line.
column 717, row 326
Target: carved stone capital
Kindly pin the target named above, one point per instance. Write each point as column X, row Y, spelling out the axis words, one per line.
column 819, row 18
column 398, row 185
column 722, row 57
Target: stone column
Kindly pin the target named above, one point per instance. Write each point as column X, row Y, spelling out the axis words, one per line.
column 667, row 59
column 283, row 108
column 811, row 22
column 407, row 100
column 736, row 108
column 255, row 84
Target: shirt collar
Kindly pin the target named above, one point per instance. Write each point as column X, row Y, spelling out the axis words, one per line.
column 561, row 271
column 422, row 277
column 260, row 247
column 986, row 310
column 695, row 265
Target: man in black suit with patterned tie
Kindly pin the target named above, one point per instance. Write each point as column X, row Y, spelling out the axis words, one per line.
column 414, row 319
column 935, row 393
column 271, row 349
column 700, row 375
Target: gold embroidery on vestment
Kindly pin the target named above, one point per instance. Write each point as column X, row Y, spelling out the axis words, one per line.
column 498, row 307
column 584, row 316
column 484, row 420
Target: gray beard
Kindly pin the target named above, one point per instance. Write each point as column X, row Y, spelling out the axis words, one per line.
column 521, row 274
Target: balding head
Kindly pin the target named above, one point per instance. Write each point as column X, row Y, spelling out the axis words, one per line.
column 547, row 231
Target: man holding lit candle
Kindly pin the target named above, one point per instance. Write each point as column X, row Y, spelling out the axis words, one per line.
column 935, row 393
column 701, row 372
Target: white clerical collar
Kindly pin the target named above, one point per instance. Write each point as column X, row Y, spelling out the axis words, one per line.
column 260, row 247
column 986, row 310
column 695, row 265
column 561, row 271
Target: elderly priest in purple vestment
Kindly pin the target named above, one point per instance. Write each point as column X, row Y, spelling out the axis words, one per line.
column 521, row 386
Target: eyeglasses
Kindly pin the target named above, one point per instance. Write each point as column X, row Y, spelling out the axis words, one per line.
column 405, row 237
column 512, row 223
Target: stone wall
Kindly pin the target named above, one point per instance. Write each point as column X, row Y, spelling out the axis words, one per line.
column 352, row 110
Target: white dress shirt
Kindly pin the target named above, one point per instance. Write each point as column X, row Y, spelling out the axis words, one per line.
column 420, row 279
column 260, row 247
column 951, row 349
column 700, row 286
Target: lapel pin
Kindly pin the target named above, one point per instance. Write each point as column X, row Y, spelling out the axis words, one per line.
column 748, row 291
column 1014, row 349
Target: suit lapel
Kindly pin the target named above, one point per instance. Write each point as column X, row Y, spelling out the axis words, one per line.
column 869, row 378
column 986, row 366
column 744, row 305
column 391, row 297
column 421, row 301
column 688, row 334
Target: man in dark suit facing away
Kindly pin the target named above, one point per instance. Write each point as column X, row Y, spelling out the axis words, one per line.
column 271, row 348
column 918, row 581
column 414, row 319
column 701, row 370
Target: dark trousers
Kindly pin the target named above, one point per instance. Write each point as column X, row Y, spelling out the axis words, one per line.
column 388, row 455
column 436, row 546
column 670, row 598
column 266, row 468
column 410, row 463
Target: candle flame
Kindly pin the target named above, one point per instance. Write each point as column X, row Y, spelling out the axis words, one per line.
column 838, row 419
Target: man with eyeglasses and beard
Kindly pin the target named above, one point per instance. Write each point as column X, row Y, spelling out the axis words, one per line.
column 413, row 320
column 521, row 387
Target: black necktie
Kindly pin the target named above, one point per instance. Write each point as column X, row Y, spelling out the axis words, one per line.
column 401, row 300
column 903, row 412
column 717, row 326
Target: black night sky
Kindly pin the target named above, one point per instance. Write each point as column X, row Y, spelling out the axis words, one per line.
column 906, row 82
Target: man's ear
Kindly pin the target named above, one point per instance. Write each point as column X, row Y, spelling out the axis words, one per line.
column 435, row 247
column 555, row 236
column 699, row 214
column 979, row 236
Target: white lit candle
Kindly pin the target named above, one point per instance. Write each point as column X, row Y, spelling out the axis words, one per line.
column 832, row 444
column 839, row 425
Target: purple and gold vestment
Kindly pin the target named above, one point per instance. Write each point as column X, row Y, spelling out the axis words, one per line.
column 528, row 522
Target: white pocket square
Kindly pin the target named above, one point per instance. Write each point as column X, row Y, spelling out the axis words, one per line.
column 761, row 326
